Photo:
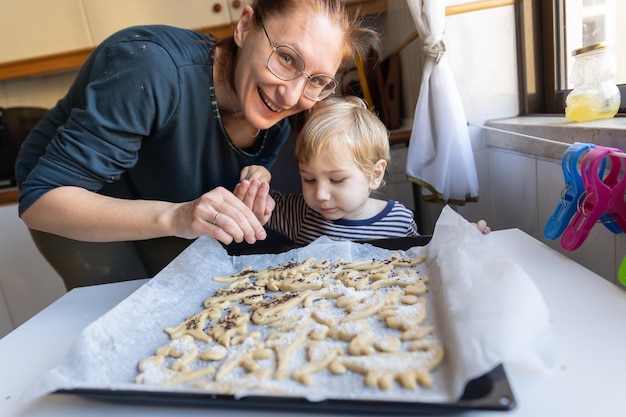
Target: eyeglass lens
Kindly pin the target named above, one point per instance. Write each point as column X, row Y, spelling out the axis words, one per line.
column 287, row 64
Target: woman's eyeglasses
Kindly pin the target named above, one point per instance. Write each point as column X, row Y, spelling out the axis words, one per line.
column 287, row 64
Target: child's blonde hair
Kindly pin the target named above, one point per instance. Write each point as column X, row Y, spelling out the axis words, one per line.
column 338, row 125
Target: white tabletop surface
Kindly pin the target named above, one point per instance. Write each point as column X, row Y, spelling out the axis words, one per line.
column 588, row 315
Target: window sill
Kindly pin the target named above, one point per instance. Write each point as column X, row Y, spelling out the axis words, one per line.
column 550, row 135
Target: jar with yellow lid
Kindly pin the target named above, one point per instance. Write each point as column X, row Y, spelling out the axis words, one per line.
column 595, row 95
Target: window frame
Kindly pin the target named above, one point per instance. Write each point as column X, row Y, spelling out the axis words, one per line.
column 538, row 61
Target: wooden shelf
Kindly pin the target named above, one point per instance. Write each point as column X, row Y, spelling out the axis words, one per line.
column 8, row 196
column 72, row 60
column 399, row 136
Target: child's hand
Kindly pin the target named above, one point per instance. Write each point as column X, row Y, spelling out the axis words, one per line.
column 255, row 195
column 255, row 172
column 481, row 225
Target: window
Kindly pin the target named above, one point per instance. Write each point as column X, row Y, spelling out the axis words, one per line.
column 548, row 32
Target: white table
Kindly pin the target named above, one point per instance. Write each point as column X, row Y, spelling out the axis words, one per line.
column 588, row 313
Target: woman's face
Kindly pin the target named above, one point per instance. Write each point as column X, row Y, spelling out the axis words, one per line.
column 266, row 99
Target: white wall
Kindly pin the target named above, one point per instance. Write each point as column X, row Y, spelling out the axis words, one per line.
column 482, row 56
column 517, row 190
column 27, row 283
column 482, row 47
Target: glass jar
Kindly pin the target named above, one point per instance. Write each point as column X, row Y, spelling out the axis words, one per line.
column 595, row 95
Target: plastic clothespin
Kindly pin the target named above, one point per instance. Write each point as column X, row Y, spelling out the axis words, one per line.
column 572, row 193
column 621, row 272
column 567, row 205
column 617, row 181
column 597, row 196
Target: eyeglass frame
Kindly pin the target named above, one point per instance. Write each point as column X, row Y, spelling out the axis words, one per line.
column 309, row 76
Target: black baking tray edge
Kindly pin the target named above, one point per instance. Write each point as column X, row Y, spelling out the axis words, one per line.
column 490, row 392
column 279, row 245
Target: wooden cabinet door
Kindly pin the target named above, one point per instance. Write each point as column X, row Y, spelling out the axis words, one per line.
column 107, row 17
column 235, row 7
column 32, row 28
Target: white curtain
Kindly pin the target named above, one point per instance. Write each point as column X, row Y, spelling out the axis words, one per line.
column 440, row 157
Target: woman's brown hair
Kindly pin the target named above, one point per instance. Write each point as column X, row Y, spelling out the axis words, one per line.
column 358, row 39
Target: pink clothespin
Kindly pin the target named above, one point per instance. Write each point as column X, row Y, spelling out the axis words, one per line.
column 617, row 202
column 598, row 196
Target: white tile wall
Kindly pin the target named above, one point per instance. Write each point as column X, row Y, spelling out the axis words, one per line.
column 483, row 209
column 598, row 251
column 526, row 189
column 514, row 190
column 549, row 190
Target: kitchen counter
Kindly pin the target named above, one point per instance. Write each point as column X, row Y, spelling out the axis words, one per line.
column 587, row 315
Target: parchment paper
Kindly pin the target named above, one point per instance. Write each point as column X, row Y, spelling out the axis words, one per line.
column 486, row 311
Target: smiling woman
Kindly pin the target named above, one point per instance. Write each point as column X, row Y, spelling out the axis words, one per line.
column 140, row 156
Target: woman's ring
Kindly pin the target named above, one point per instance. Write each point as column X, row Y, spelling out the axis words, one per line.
column 217, row 216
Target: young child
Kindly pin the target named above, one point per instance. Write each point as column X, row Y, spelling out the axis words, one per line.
column 342, row 153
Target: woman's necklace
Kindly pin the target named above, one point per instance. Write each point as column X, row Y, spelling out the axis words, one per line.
column 237, row 115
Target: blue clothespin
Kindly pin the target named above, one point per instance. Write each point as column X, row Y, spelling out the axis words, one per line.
column 572, row 194
column 599, row 197
column 567, row 205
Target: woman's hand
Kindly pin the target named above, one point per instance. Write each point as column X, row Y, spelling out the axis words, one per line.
column 218, row 213
column 93, row 217
column 255, row 172
column 255, row 195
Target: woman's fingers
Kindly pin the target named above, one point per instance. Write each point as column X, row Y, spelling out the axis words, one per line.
column 237, row 219
column 220, row 214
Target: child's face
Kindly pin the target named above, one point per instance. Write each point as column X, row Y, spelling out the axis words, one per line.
column 337, row 189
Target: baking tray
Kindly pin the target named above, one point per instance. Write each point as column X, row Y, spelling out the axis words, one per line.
column 491, row 391
column 279, row 244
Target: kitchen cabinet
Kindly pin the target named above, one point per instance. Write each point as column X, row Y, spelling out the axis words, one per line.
column 106, row 17
column 86, row 28
column 41, row 27
column 235, row 7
